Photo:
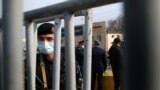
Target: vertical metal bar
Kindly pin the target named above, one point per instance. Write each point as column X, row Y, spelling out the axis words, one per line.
column 12, row 45
column 154, row 27
column 137, row 45
column 70, row 51
column 87, row 50
column 35, row 43
column 1, row 61
column 57, row 52
column 34, row 54
column 30, row 61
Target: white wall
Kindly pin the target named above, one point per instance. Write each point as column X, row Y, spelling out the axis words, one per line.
column 111, row 37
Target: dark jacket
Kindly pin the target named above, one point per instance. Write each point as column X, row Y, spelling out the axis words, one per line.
column 49, row 73
column 115, row 56
column 99, row 61
column 79, row 55
column 49, row 70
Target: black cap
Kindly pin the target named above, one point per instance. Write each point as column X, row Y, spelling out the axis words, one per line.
column 46, row 28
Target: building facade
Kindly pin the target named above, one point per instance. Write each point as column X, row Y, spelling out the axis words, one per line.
column 100, row 33
column 111, row 35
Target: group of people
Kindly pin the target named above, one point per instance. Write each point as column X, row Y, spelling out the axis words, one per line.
column 99, row 62
column 45, row 56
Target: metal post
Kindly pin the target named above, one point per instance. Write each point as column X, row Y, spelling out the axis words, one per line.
column 1, row 61
column 30, row 61
column 12, row 45
column 87, row 50
column 57, row 52
column 137, row 45
column 70, row 52
column 154, row 27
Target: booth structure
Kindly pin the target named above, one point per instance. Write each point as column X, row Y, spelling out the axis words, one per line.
column 107, row 83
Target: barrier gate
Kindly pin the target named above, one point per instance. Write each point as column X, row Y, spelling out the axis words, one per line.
column 141, row 36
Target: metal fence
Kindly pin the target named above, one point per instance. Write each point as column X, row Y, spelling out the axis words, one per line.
column 13, row 52
column 141, row 27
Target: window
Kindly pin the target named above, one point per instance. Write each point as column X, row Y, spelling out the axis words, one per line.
column 99, row 37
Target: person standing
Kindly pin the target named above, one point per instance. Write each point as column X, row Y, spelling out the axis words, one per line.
column 45, row 57
column 80, row 54
column 99, row 64
column 115, row 57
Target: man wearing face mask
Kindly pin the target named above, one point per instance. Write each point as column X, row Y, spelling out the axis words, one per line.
column 79, row 54
column 45, row 56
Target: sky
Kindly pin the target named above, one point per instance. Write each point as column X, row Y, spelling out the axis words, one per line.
column 103, row 13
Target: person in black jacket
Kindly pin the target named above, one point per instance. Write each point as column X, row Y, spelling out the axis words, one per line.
column 116, row 56
column 99, row 64
column 45, row 56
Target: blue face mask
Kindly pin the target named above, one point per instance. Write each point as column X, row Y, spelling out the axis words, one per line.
column 45, row 47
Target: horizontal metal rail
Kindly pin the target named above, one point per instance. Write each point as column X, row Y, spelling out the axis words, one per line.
column 56, row 9
column 61, row 16
column 47, row 13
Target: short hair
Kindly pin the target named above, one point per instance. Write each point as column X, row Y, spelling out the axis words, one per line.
column 45, row 28
column 81, row 42
column 96, row 42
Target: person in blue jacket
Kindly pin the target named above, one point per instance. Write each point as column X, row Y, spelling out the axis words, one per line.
column 99, row 64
